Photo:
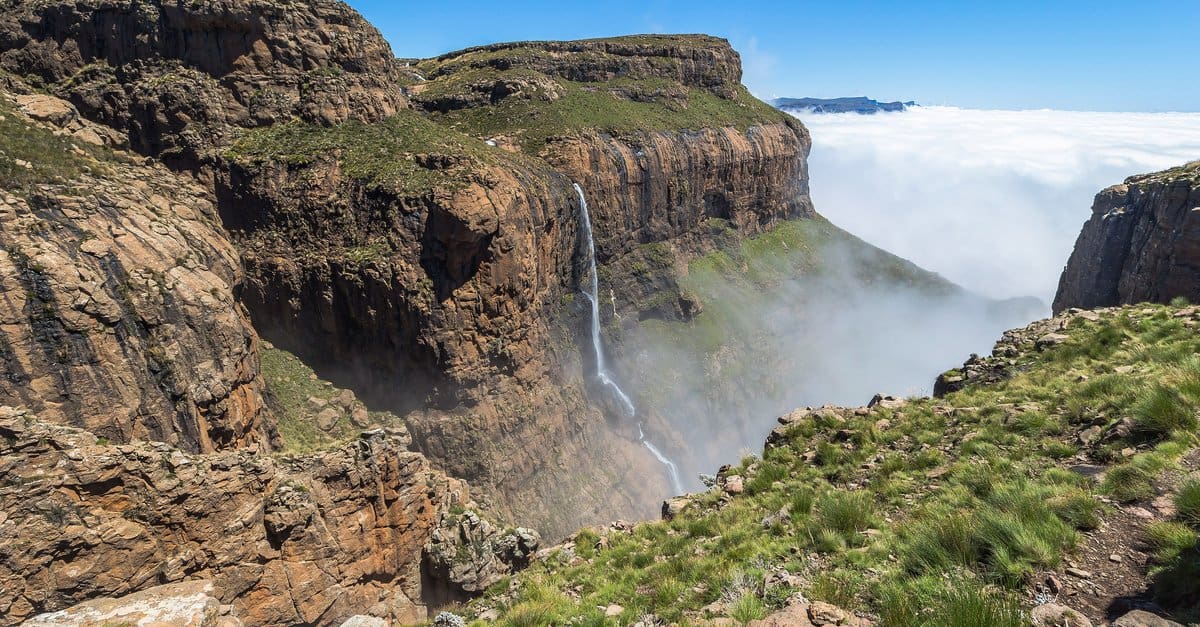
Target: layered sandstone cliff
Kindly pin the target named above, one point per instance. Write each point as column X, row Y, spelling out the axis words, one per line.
column 116, row 302
column 1142, row 243
column 285, row 541
column 412, row 231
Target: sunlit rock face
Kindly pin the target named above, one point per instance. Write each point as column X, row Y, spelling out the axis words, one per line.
column 1142, row 243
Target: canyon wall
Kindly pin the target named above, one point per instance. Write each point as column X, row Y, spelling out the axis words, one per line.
column 1142, row 243
column 411, row 230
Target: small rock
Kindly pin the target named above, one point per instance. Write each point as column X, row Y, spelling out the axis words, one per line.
column 822, row 613
column 361, row 620
column 1142, row 513
column 734, row 484
column 672, row 507
column 1116, row 559
column 1055, row 615
column 345, row 399
column 317, row 403
column 1054, row 584
column 1089, row 435
column 1142, row 618
column 1051, row 339
column 489, row 616
column 613, row 611
column 1079, row 572
column 360, row 417
column 327, row 419
column 1123, row 369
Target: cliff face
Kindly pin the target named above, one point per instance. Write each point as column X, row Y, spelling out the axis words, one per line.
column 178, row 76
column 312, row 540
column 1142, row 243
column 116, row 304
column 412, row 231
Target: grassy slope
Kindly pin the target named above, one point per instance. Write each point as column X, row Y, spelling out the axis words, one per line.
column 923, row 515
column 292, row 385
column 51, row 158
column 755, row 265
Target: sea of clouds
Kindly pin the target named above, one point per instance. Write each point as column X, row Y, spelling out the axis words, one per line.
column 992, row 200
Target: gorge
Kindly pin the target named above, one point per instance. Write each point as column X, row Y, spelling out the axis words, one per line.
column 294, row 327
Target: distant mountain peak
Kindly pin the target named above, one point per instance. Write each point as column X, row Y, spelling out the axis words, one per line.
column 858, row 104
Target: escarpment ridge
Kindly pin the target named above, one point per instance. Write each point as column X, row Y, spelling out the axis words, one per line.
column 185, row 176
column 1141, row 243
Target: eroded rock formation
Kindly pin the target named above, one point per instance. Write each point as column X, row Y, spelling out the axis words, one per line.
column 116, row 302
column 285, row 541
column 1142, row 243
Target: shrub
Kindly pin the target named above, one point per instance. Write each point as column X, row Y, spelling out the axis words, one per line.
column 1187, row 502
column 846, row 513
column 1162, row 410
column 976, row 605
column 1127, row 483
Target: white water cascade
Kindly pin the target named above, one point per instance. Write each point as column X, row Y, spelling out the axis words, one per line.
column 593, row 296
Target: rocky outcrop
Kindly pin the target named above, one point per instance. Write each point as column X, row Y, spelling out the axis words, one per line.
column 286, row 541
column 186, row 604
column 398, row 252
column 177, row 76
column 116, row 305
column 1142, row 243
column 690, row 60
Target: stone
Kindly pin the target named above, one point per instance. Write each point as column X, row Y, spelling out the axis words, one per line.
column 328, row 418
column 1054, row 584
column 1142, row 618
column 734, row 484
column 1079, row 573
column 45, row 108
column 362, row 620
column 1115, row 558
column 887, row 402
column 613, row 611
column 1055, row 615
column 186, row 604
column 1089, row 435
column 1051, row 339
column 673, row 506
column 360, row 417
column 792, row 615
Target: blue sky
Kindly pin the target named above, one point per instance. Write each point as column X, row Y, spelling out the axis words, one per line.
column 1096, row 55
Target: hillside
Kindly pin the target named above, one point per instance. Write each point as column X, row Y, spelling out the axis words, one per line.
column 1060, row 470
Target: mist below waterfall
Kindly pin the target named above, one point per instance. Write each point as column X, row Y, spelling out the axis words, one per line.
column 991, row 200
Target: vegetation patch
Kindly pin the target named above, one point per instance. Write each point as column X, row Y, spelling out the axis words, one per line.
column 933, row 512
column 557, row 107
column 31, row 154
column 405, row 153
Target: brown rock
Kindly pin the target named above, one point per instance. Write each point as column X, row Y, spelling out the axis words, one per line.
column 314, row 539
column 1142, row 243
column 129, row 339
column 1142, row 618
column 185, row 604
column 1054, row 615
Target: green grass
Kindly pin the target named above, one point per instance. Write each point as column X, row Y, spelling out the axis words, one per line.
column 51, row 158
column 1187, row 502
column 292, row 384
column 604, row 107
column 958, row 550
column 390, row 154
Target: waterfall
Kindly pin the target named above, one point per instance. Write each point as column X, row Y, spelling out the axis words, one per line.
column 593, row 296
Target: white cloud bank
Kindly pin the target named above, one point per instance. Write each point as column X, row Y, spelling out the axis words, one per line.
column 992, row 200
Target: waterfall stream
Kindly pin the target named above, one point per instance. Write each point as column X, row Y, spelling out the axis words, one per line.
column 593, row 296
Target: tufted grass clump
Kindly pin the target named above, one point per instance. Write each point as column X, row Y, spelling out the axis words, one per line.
column 1187, row 502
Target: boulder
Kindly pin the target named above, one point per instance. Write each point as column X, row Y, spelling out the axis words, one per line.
column 1055, row 615
column 184, row 604
column 1142, row 618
